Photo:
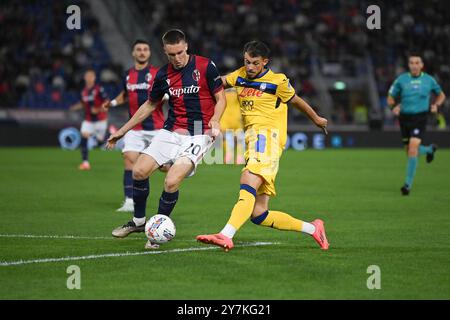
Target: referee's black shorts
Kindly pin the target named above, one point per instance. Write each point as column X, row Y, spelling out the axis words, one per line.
column 413, row 125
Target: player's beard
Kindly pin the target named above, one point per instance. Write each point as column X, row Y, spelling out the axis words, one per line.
column 142, row 61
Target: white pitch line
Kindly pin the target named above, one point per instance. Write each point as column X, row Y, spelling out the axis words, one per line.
column 35, row 236
column 72, row 237
column 125, row 254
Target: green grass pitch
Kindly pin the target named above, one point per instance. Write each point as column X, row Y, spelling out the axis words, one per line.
column 356, row 193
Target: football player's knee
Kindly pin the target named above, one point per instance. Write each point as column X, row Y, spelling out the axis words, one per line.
column 413, row 151
column 260, row 217
column 139, row 173
column 258, row 210
column 171, row 183
column 85, row 135
column 129, row 163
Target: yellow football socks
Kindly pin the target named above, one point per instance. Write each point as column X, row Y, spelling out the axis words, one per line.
column 279, row 220
column 243, row 209
column 244, row 206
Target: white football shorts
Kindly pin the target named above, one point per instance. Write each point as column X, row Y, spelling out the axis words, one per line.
column 97, row 128
column 138, row 140
column 168, row 147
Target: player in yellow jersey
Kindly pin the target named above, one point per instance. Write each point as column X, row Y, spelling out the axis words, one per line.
column 263, row 96
column 232, row 129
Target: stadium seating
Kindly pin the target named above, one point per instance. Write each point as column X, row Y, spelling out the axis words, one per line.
column 219, row 29
column 42, row 61
column 338, row 28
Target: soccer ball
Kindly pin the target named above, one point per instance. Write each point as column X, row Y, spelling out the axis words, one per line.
column 160, row 229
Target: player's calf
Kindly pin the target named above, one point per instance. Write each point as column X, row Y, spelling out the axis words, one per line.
column 128, row 204
column 283, row 221
column 141, row 190
column 84, row 153
column 167, row 202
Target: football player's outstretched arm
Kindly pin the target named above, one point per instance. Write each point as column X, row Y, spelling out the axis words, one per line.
column 76, row 106
column 303, row 106
column 141, row 114
column 120, row 99
column 221, row 103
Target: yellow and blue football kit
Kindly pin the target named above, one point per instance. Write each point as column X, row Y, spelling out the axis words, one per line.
column 264, row 112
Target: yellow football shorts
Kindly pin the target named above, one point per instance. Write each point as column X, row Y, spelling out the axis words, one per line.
column 262, row 157
column 231, row 121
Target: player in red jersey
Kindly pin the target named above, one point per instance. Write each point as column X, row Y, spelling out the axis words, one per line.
column 137, row 84
column 196, row 103
column 95, row 119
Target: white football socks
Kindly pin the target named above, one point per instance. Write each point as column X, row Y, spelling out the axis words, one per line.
column 139, row 221
column 228, row 231
column 308, row 228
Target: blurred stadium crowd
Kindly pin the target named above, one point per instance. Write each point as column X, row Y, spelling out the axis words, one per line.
column 42, row 62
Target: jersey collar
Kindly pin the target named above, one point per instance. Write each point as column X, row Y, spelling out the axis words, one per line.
column 191, row 57
column 146, row 67
column 262, row 74
column 411, row 76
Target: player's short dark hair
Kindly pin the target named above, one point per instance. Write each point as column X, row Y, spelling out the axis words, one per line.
column 257, row 48
column 140, row 41
column 415, row 54
column 89, row 69
column 173, row 36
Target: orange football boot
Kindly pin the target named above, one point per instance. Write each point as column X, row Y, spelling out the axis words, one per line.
column 319, row 235
column 218, row 240
column 84, row 166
